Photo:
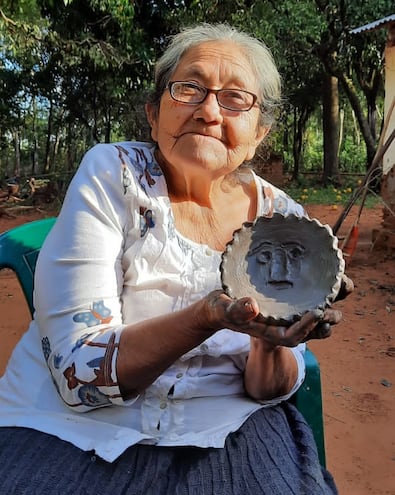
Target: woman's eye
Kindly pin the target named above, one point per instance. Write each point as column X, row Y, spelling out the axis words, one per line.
column 235, row 95
column 189, row 89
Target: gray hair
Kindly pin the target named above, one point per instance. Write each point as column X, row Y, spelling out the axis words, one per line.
column 256, row 52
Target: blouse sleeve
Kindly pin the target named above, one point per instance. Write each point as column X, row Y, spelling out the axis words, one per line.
column 78, row 283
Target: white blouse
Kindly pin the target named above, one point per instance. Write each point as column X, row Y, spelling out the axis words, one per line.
column 114, row 257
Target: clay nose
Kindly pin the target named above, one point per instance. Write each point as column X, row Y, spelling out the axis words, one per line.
column 279, row 267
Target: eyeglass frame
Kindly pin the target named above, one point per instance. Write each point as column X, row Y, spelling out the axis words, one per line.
column 214, row 91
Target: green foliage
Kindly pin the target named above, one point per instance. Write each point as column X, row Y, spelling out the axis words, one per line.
column 76, row 72
column 352, row 157
column 352, row 152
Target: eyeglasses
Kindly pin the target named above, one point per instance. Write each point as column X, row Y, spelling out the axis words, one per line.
column 191, row 93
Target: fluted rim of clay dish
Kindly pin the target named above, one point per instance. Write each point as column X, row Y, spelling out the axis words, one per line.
column 232, row 260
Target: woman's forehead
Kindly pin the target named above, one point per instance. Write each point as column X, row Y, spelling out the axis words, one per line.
column 222, row 59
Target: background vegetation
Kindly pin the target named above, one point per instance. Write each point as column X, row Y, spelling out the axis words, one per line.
column 76, row 72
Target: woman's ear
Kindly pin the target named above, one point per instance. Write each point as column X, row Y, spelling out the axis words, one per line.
column 151, row 111
column 261, row 133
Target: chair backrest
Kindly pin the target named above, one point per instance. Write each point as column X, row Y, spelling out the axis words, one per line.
column 19, row 248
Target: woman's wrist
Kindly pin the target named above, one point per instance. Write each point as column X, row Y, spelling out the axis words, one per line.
column 206, row 318
column 264, row 346
column 271, row 370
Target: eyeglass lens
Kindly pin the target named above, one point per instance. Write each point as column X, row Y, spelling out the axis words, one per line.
column 191, row 93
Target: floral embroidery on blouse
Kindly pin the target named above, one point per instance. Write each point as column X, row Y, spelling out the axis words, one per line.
column 88, row 391
column 126, row 181
column 268, row 201
column 143, row 162
column 98, row 364
column 147, row 168
column 46, row 347
column 91, row 396
column 281, row 204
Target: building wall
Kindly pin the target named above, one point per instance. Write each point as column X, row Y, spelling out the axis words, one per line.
column 384, row 236
column 389, row 54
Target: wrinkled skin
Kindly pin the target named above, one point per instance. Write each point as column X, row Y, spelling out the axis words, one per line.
column 242, row 315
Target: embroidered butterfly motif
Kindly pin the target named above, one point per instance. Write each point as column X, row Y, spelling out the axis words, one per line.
column 146, row 220
column 281, row 204
column 95, row 316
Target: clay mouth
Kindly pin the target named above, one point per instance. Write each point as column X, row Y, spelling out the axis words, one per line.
column 281, row 285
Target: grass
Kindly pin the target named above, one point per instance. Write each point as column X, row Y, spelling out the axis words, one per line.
column 313, row 193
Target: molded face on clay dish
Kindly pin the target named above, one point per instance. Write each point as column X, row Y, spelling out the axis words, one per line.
column 289, row 264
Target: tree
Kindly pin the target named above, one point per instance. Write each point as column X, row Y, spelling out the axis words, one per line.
column 353, row 61
column 78, row 57
column 87, row 65
column 330, row 110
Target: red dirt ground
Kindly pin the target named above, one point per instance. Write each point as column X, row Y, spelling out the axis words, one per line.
column 357, row 362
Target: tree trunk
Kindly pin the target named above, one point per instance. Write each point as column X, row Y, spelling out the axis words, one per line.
column 301, row 117
column 17, row 155
column 330, row 122
column 362, row 121
column 295, row 148
column 69, row 147
column 55, row 149
column 372, row 117
column 35, row 157
column 47, row 160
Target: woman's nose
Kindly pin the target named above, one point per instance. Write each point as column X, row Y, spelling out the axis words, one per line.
column 209, row 109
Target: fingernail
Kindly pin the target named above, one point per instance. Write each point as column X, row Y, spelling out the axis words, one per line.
column 318, row 314
column 248, row 307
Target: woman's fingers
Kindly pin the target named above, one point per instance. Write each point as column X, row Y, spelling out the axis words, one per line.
column 346, row 287
column 322, row 330
column 242, row 310
column 332, row 316
column 231, row 313
column 288, row 336
column 315, row 324
column 242, row 315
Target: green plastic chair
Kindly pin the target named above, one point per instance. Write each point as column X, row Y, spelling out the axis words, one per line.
column 308, row 399
column 19, row 248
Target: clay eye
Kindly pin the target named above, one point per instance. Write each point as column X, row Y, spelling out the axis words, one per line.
column 264, row 257
column 296, row 253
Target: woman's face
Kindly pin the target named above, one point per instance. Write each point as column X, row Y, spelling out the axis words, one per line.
column 205, row 135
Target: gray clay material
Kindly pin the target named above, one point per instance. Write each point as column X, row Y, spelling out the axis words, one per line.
column 289, row 264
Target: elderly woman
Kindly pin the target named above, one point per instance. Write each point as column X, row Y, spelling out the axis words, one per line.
column 138, row 374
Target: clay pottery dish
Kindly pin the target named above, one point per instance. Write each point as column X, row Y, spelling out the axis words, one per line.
column 289, row 264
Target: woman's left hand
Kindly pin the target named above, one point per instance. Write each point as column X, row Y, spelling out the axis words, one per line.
column 242, row 315
column 346, row 288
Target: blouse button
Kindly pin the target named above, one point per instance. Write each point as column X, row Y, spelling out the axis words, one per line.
column 209, row 252
column 163, row 405
column 179, row 375
column 204, row 347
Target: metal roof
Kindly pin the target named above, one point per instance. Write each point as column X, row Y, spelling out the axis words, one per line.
column 375, row 24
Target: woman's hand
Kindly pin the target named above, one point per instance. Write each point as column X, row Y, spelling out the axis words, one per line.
column 242, row 315
column 346, row 288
